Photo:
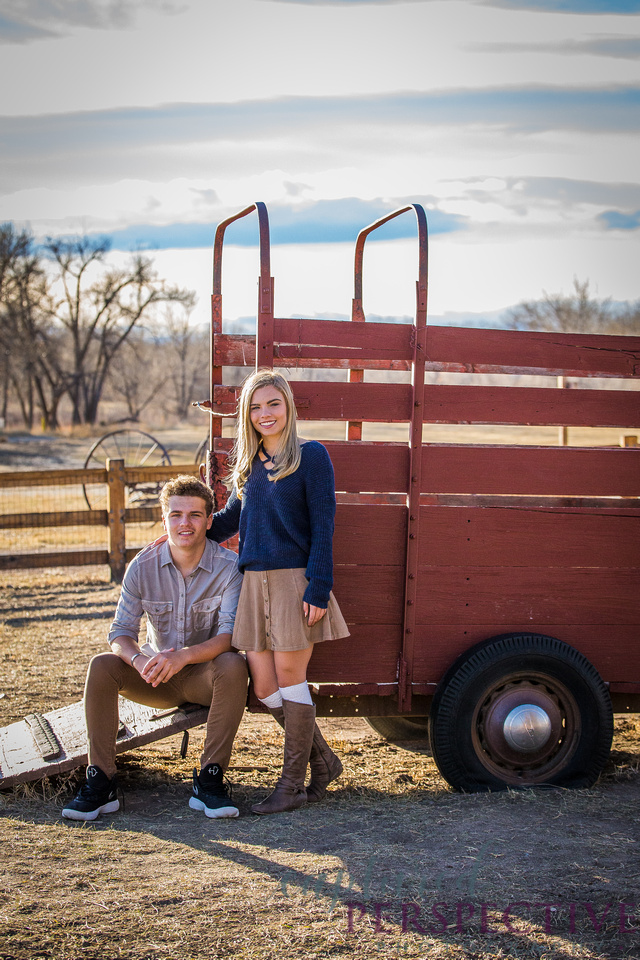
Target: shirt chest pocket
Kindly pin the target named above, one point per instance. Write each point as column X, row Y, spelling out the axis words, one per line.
column 159, row 613
column 204, row 614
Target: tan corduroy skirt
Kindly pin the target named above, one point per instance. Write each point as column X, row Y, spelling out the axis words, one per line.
column 270, row 614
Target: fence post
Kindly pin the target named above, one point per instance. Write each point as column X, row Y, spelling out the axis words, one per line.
column 115, row 508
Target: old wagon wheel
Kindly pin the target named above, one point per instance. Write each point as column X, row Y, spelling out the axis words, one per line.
column 201, row 452
column 137, row 449
column 518, row 711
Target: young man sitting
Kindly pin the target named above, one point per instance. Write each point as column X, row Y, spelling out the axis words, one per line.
column 188, row 586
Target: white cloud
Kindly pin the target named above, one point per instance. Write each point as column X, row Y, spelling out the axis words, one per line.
column 128, row 116
column 23, row 21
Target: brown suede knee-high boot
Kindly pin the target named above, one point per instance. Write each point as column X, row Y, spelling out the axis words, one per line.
column 289, row 792
column 325, row 765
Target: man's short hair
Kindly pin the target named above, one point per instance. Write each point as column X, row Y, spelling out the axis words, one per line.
column 186, row 486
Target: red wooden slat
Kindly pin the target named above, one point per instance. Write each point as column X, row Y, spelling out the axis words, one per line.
column 613, row 649
column 550, row 471
column 448, row 348
column 570, row 353
column 474, row 536
column 369, row 594
column 369, row 534
column 485, row 470
column 533, row 595
column 336, row 338
column 383, row 402
column 321, row 400
column 369, row 466
column 239, row 350
column 444, row 403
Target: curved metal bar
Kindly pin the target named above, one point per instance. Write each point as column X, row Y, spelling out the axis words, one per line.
column 265, row 249
column 405, row 664
column 423, row 246
column 265, row 320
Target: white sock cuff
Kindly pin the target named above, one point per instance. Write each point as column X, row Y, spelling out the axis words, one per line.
column 298, row 693
column 272, row 701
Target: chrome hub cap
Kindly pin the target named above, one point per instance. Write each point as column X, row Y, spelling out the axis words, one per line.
column 527, row 728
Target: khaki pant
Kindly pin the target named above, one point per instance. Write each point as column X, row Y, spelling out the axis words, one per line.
column 219, row 684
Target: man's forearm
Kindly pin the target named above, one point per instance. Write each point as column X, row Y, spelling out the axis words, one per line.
column 209, row 649
column 126, row 648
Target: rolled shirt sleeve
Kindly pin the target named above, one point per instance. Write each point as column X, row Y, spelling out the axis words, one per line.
column 129, row 610
column 229, row 604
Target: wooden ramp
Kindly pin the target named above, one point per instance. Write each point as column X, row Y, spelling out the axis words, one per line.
column 45, row 744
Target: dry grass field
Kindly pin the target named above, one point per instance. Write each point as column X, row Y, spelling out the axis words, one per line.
column 393, row 865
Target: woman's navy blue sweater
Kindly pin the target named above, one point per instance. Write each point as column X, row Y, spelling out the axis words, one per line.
column 286, row 523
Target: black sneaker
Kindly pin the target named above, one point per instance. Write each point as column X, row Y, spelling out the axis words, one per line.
column 97, row 795
column 211, row 794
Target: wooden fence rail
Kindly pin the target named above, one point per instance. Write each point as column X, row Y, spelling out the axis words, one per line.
column 115, row 517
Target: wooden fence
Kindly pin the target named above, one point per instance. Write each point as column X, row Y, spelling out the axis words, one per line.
column 118, row 480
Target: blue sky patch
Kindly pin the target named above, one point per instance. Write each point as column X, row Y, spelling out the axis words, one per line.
column 329, row 221
column 615, row 220
column 570, row 6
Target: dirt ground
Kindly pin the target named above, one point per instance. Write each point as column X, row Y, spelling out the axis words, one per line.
column 393, row 864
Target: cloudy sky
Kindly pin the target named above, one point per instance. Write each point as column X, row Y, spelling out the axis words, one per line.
column 514, row 122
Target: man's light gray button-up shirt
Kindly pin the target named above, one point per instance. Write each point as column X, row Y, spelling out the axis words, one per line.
column 180, row 613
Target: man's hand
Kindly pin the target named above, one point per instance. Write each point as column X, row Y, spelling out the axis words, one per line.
column 161, row 667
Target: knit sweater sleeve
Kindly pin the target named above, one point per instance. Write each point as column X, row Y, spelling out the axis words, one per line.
column 226, row 522
column 321, row 503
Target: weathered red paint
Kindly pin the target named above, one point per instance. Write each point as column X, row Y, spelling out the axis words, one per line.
column 439, row 546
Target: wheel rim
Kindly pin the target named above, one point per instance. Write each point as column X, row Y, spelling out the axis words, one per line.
column 201, row 452
column 137, row 449
column 526, row 728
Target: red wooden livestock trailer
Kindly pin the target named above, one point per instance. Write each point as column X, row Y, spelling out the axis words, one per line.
column 491, row 590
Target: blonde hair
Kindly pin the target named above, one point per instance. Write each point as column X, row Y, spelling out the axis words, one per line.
column 248, row 440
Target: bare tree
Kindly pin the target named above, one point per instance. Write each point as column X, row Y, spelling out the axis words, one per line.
column 99, row 312
column 138, row 374
column 186, row 349
column 577, row 313
column 63, row 322
column 31, row 346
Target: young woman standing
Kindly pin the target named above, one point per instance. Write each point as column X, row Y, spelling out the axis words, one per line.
column 283, row 504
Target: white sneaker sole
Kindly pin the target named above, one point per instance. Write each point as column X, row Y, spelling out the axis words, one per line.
column 214, row 813
column 110, row 807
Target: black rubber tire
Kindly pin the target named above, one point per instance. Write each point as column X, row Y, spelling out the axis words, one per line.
column 468, row 742
column 400, row 728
